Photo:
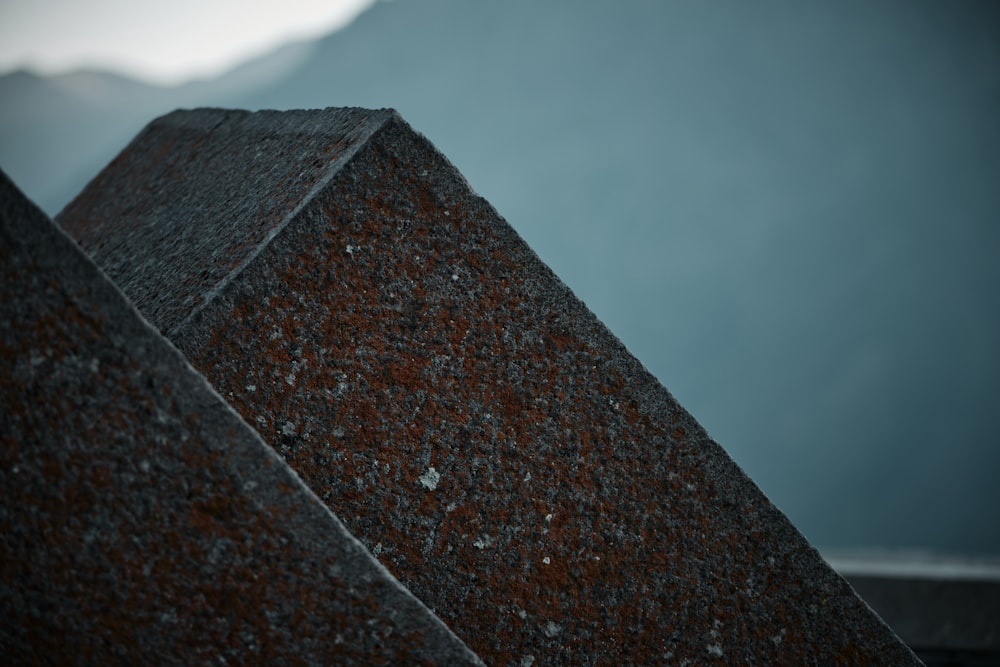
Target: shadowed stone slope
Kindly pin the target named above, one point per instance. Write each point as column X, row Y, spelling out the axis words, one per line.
column 441, row 390
column 142, row 520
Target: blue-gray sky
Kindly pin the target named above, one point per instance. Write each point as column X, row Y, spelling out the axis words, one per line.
column 158, row 42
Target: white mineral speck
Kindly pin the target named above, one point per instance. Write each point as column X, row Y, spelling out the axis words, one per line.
column 548, row 517
column 546, row 560
column 251, row 388
column 430, row 478
column 454, row 277
column 527, row 661
column 350, row 250
column 714, row 650
column 288, row 428
column 552, row 629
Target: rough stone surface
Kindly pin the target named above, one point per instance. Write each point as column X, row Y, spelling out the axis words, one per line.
column 464, row 414
column 142, row 520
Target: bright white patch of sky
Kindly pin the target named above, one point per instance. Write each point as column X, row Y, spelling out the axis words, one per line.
column 158, row 41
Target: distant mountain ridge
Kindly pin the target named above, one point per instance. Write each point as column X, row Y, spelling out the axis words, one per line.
column 788, row 212
column 57, row 132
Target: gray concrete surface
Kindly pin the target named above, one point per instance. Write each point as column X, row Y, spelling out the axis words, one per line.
column 946, row 607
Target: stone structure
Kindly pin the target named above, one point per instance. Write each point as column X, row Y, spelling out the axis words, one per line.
column 142, row 520
column 450, row 399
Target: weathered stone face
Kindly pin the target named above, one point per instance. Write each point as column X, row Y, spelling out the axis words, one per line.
column 468, row 418
column 142, row 519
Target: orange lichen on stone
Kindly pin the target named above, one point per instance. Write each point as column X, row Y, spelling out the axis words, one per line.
column 142, row 517
column 474, row 424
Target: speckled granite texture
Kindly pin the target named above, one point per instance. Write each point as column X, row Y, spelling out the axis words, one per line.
column 453, row 402
column 142, row 521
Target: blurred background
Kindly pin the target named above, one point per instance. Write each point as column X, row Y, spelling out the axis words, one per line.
column 788, row 211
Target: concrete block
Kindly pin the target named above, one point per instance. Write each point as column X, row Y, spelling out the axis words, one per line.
column 142, row 520
column 469, row 419
column 946, row 608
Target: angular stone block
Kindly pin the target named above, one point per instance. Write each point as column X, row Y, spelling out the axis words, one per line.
column 142, row 520
column 467, row 417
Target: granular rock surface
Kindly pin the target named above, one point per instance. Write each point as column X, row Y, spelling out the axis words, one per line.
column 142, row 520
column 465, row 415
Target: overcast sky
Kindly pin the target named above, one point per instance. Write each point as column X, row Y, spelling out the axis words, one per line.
column 155, row 40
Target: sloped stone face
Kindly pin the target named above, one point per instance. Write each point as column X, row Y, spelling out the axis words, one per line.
column 166, row 240
column 477, row 427
column 142, row 519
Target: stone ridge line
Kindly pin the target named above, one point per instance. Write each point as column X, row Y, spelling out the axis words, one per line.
column 468, row 418
column 360, row 135
column 295, row 152
column 142, row 516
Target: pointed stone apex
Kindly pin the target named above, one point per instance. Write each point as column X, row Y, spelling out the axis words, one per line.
column 455, row 404
column 176, row 236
